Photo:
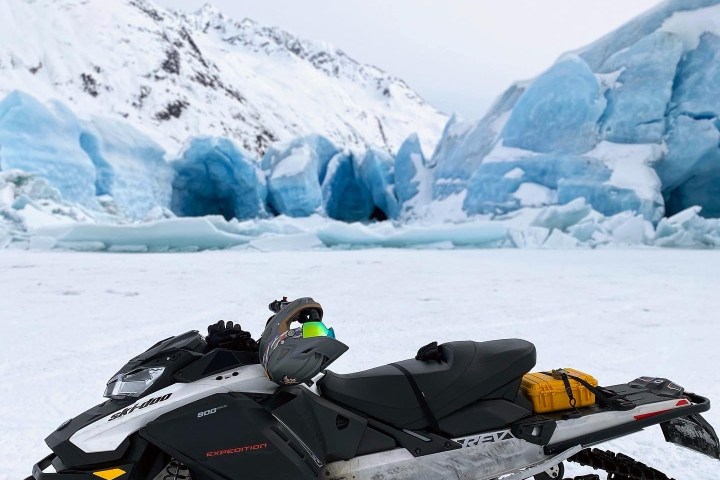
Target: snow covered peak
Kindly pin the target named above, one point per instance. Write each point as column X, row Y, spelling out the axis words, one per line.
column 175, row 75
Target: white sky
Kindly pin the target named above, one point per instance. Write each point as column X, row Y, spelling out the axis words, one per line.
column 458, row 54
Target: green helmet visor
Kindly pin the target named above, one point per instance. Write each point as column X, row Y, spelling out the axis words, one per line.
column 316, row 329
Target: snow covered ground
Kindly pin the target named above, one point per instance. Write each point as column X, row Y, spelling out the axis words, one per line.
column 70, row 320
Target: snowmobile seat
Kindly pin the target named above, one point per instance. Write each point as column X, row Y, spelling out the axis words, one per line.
column 466, row 373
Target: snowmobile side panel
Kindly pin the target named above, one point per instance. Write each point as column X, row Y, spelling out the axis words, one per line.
column 226, row 435
column 374, row 441
column 326, row 427
column 693, row 432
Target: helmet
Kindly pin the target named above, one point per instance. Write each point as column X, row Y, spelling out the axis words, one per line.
column 295, row 355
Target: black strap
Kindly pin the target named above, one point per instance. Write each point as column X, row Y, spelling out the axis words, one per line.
column 609, row 398
column 603, row 396
column 568, row 390
column 420, row 398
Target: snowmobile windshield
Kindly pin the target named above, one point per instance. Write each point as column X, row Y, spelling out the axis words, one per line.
column 132, row 384
column 316, row 329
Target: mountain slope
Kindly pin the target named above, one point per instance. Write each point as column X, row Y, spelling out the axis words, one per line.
column 175, row 75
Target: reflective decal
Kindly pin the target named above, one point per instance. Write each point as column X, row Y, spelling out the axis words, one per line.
column 111, row 474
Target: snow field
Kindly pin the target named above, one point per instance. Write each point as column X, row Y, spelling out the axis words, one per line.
column 70, row 320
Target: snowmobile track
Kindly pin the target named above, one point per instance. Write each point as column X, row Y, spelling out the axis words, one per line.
column 617, row 465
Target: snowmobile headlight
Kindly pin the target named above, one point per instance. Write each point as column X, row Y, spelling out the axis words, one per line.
column 132, row 384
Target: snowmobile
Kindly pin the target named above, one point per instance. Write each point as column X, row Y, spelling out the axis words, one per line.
column 186, row 409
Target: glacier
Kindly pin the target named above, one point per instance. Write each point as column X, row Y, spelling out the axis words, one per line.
column 44, row 138
column 559, row 112
column 615, row 143
column 376, row 173
column 412, row 176
column 295, row 172
column 629, row 123
column 215, row 176
column 130, row 168
column 345, row 196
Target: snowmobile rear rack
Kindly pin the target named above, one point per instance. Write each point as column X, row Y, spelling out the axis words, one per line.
column 697, row 404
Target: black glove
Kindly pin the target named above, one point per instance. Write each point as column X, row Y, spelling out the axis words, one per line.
column 229, row 335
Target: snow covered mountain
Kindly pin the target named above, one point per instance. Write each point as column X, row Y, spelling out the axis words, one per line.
column 174, row 75
column 629, row 123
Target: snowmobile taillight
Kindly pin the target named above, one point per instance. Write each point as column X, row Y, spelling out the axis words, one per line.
column 132, row 384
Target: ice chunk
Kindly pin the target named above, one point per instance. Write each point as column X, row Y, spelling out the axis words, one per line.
column 688, row 229
column 559, row 112
column 28, row 202
column 478, row 234
column 295, row 172
column 345, row 195
column 178, row 234
column 376, row 172
column 637, row 104
column 131, row 168
column 632, row 230
column 563, row 216
column 560, row 240
column 44, row 139
column 216, row 177
column 293, row 185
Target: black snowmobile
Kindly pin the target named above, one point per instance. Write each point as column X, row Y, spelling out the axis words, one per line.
column 190, row 408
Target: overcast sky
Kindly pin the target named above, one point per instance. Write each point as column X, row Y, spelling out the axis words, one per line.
column 458, row 54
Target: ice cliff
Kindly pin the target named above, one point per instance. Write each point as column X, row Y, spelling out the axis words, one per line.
column 630, row 123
